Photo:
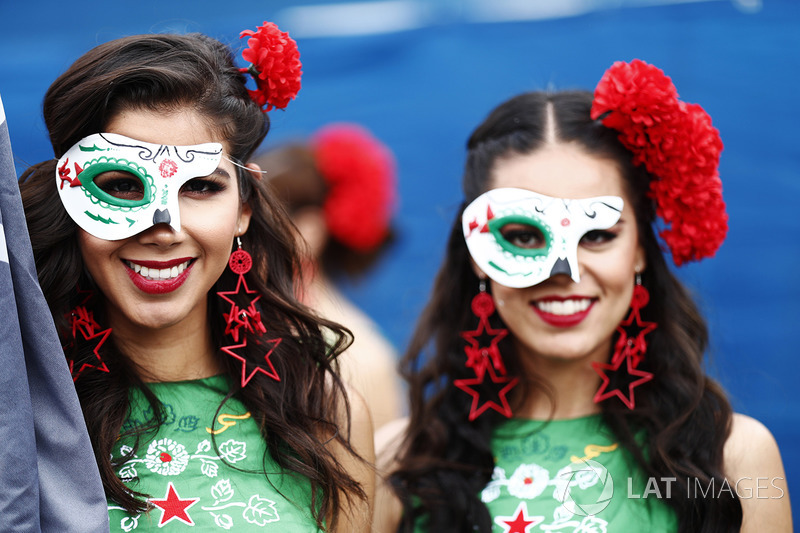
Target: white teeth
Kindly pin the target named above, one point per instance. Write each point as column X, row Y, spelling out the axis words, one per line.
column 158, row 274
column 563, row 307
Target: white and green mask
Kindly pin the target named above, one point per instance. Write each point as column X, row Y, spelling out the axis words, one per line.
column 520, row 238
column 160, row 169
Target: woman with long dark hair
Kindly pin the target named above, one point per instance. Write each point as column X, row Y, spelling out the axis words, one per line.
column 556, row 375
column 210, row 393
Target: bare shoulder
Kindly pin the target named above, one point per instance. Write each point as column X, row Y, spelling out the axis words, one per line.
column 754, row 468
column 357, row 515
column 388, row 442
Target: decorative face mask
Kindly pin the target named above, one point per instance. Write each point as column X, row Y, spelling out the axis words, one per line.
column 114, row 187
column 520, row 238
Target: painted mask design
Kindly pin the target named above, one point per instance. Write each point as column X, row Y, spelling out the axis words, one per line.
column 520, row 238
column 114, row 187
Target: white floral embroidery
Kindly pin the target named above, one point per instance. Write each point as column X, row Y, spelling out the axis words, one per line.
column 528, row 481
column 166, row 457
column 233, row 451
column 260, row 511
column 492, row 490
column 222, row 491
column 129, row 523
column 592, row 524
column 223, row 520
column 209, row 468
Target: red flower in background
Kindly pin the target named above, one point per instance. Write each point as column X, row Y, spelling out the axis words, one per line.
column 360, row 173
column 677, row 144
column 274, row 63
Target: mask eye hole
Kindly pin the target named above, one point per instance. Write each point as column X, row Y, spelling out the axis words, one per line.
column 117, row 182
column 523, row 236
column 121, row 185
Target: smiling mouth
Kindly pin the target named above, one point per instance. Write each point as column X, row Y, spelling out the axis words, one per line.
column 159, row 274
column 563, row 307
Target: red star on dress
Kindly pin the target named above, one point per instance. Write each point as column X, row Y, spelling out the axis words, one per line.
column 519, row 522
column 478, row 356
column 501, row 405
column 269, row 370
column 603, row 369
column 173, row 507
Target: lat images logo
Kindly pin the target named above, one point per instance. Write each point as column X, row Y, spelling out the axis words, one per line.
column 581, row 475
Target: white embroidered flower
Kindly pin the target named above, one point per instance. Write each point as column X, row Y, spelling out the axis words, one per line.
column 492, row 490
column 223, row 520
column 528, row 481
column 129, row 523
column 233, row 451
column 166, row 457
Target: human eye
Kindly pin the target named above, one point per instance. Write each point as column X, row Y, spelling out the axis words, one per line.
column 523, row 236
column 202, row 186
column 597, row 237
column 122, row 185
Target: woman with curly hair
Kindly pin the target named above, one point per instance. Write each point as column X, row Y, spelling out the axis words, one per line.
column 209, row 392
column 556, row 375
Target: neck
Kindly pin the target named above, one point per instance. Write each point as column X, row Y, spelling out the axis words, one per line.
column 567, row 388
column 174, row 353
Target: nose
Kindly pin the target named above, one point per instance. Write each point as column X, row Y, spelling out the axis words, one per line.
column 161, row 233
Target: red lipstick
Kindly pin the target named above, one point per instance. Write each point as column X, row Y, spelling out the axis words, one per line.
column 561, row 320
column 159, row 286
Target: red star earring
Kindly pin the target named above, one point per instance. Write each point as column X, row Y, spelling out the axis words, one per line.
column 240, row 320
column 83, row 327
column 484, row 358
column 629, row 351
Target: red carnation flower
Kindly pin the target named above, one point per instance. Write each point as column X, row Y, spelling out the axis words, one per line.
column 360, row 172
column 274, row 63
column 677, row 144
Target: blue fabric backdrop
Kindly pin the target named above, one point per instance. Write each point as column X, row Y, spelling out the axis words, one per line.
column 421, row 74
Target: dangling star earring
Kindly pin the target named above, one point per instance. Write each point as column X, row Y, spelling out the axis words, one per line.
column 485, row 359
column 629, row 351
column 247, row 318
column 84, row 327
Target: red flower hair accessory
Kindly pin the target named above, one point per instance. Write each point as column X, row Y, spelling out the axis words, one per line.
column 360, row 173
column 274, row 64
column 678, row 145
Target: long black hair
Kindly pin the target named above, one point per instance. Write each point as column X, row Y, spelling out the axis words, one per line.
column 297, row 415
column 445, row 461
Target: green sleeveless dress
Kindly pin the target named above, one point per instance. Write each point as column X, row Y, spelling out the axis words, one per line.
column 204, row 477
column 569, row 476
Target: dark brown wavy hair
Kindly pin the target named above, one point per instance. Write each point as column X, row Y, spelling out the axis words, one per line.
column 445, row 461
column 297, row 415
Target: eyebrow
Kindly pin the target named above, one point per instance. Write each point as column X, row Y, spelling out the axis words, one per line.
column 221, row 172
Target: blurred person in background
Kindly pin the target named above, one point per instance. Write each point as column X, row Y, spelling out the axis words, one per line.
column 340, row 190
